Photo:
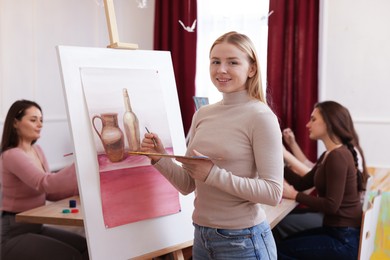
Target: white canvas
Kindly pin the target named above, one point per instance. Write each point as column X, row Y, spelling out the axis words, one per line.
column 135, row 239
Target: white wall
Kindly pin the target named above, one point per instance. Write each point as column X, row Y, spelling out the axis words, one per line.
column 354, row 56
column 355, row 71
column 29, row 32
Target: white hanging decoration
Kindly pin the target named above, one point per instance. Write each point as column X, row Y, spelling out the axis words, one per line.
column 264, row 18
column 142, row 3
column 99, row 3
column 192, row 27
column 188, row 28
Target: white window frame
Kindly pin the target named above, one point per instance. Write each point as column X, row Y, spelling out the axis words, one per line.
column 217, row 17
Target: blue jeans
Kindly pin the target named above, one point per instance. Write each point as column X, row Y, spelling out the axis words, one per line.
column 321, row 243
column 222, row 244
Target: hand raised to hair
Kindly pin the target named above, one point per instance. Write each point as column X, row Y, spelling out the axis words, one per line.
column 288, row 136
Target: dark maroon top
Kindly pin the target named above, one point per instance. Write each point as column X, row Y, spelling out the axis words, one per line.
column 335, row 179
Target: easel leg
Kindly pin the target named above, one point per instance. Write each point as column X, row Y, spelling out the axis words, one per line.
column 113, row 29
column 178, row 255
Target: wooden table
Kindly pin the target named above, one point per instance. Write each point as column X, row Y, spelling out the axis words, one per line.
column 52, row 214
column 277, row 213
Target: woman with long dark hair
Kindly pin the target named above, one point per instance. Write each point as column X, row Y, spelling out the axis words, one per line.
column 338, row 182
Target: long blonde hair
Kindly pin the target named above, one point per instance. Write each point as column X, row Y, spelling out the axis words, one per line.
column 242, row 42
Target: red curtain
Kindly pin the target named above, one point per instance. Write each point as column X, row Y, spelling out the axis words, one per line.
column 292, row 66
column 169, row 35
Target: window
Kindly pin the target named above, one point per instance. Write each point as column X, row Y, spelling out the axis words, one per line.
column 217, row 17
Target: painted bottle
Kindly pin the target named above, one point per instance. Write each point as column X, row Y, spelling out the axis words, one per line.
column 130, row 123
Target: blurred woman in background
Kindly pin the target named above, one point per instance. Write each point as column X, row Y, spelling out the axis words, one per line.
column 26, row 183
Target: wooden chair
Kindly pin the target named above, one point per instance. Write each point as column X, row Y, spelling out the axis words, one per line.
column 368, row 228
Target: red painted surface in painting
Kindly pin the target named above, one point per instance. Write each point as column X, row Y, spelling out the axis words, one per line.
column 134, row 194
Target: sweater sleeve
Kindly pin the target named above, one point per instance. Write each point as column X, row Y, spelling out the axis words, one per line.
column 56, row 185
column 300, row 183
column 335, row 169
column 176, row 175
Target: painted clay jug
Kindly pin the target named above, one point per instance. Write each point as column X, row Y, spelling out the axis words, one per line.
column 111, row 136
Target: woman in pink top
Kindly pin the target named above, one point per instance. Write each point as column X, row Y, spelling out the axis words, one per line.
column 26, row 183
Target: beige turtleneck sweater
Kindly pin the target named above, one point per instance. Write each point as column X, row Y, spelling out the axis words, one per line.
column 245, row 133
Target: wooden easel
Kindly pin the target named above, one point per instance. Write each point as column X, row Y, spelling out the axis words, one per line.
column 113, row 29
column 177, row 250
